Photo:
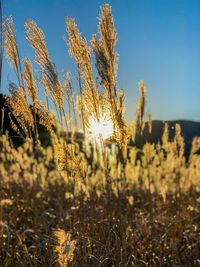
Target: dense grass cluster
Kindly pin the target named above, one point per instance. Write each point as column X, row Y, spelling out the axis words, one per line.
column 145, row 213
column 99, row 200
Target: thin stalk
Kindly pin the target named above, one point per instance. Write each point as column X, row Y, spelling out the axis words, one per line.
column 47, row 101
column 66, row 123
column 81, row 93
column 2, row 119
column 74, row 111
column 61, row 117
column 36, row 128
column 1, row 43
column 151, row 201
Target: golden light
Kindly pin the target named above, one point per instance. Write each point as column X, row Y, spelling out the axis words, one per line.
column 101, row 129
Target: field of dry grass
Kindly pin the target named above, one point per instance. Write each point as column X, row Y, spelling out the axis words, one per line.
column 101, row 200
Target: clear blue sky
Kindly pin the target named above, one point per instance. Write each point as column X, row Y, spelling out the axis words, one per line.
column 158, row 42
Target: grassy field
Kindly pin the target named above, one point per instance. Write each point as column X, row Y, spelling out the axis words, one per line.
column 93, row 198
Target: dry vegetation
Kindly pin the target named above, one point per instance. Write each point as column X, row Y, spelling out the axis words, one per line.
column 104, row 202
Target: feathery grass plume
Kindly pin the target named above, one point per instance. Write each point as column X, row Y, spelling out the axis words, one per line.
column 13, row 124
column 106, row 59
column 165, row 136
column 59, row 152
column 79, row 48
column 31, row 87
column 46, row 118
column 106, row 63
column 64, row 249
column 20, row 108
column 73, row 160
column 104, row 49
column 68, row 93
column 195, row 145
column 11, row 48
column 141, row 103
column 150, row 122
column 50, row 80
column 29, row 82
column 194, row 158
column 52, row 84
column 179, row 141
column 65, row 155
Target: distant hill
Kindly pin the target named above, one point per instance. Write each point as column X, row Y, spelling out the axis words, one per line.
column 189, row 130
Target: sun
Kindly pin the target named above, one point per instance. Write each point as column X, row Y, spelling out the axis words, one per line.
column 102, row 128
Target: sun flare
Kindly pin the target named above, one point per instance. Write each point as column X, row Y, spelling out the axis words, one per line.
column 101, row 129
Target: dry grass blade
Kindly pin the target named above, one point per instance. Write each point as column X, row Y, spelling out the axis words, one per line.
column 64, row 249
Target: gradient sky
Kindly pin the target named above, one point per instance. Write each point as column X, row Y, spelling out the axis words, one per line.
column 158, row 42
